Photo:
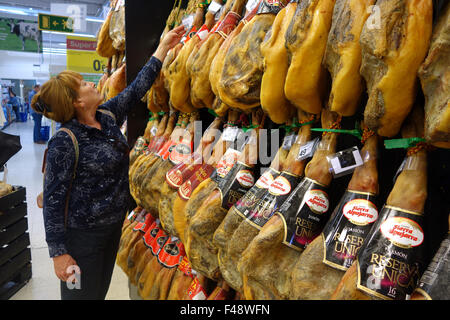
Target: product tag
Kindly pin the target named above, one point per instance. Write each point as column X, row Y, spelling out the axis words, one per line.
column 307, row 151
column 188, row 22
column 203, row 32
column 214, row 7
column 344, row 162
column 230, row 134
column 251, row 4
column 389, row 262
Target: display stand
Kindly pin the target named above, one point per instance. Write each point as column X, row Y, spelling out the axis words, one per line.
column 15, row 254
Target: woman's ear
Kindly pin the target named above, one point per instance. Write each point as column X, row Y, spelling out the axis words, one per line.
column 78, row 104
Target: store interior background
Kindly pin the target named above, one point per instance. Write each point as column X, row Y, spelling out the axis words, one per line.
column 22, row 70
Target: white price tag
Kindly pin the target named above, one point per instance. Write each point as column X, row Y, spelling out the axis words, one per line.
column 188, row 22
column 230, row 134
column 214, row 7
column 251, row 4
column 307, row 150
column 344, row 162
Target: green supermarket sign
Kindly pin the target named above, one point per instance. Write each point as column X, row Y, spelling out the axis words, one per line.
column 50, row 22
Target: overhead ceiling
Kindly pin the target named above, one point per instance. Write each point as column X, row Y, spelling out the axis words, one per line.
column 94, row 7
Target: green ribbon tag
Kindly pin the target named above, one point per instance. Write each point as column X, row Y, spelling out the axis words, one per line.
column 161, row 113
column 355, row 132
column 404, row 143
column 247, row 128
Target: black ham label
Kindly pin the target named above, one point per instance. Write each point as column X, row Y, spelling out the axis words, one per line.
column 304, row 213
column 273, row 197
column 434, row 283
column 249, row 199
column 271, row 6
column 239, row 180
column 389, row 263
column 348, row 227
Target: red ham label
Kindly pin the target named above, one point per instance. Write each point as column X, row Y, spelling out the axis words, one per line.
column 317, row 201
column 280, row 186
column 402, row 232
column 245, row 178
column 360, row 212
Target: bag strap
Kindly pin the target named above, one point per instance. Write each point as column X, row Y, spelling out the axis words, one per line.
column 77, row 152
column 107, row 112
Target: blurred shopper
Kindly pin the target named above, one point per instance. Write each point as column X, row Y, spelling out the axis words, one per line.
column 37, row 117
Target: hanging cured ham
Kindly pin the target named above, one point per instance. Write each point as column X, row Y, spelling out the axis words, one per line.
column 105, row 46
column 434, row 76
column 306, row 39
column 240, row 82
column 293, row 214
column 150, row 157
column 343, row 55
column 255, row 212
column 232, row 220
column 275, row 65
column 199, row 247
column 180, row 172
column 396, row 238
column 178, row 148
column 140, row 160
column 145, row 195
column 200, row 61
column 177, row 71
column 217, row 64
column 394, row 42
column 322, row 264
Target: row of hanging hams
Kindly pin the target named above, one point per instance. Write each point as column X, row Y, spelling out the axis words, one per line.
column 308, row 54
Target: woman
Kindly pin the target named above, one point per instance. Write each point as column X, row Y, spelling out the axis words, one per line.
column 98, row 197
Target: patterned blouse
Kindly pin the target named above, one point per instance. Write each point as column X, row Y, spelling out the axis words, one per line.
column 100, row 194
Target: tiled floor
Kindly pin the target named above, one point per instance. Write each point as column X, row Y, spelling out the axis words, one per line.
column 24, row 169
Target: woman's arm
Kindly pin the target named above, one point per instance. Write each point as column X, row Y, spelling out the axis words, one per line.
column 122, row 103
column 57, row 178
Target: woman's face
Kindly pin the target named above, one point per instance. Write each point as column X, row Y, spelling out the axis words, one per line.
column 89, row 95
